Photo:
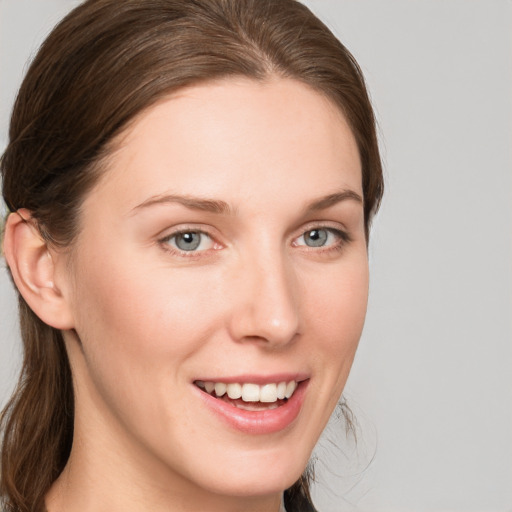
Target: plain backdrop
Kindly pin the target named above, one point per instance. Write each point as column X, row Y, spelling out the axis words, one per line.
column 431, row 386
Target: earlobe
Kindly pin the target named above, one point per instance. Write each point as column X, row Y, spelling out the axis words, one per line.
column 33, row 268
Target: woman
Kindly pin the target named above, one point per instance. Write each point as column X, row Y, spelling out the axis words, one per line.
column 191, row 186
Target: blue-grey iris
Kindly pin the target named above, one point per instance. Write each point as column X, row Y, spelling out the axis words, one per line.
column 188, row 241
column 316, row 237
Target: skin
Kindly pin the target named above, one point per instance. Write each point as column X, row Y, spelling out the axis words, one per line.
column 146, row 320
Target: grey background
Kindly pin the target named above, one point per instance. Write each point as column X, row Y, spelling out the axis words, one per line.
column 431, row 385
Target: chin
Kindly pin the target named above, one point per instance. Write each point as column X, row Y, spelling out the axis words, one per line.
column 254, row 475
column 259, row 483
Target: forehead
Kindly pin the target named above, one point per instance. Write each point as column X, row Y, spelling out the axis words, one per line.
column 234, row 137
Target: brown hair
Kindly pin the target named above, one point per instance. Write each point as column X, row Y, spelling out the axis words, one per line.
column 101, row 66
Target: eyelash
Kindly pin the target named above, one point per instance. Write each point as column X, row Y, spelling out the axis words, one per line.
column 343, row 238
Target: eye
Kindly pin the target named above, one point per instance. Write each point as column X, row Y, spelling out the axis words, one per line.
column 189, row 241
column 321, row 237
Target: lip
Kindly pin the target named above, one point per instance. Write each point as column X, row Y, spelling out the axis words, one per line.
column 258, row 379
column 257, row 422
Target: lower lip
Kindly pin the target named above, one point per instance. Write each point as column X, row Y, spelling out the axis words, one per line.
column 258, row 422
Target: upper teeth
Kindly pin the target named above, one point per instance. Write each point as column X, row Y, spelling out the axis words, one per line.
column 249, row 392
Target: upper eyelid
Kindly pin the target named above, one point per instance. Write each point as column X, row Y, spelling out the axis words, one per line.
column 319, row 223
column 170, row 232
column 182, row 232
column 329, row 225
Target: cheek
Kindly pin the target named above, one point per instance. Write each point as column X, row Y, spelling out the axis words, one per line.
column 141, row 326
column 115, row 323
column 337, row 305
column 337, row 310
column 136, row 308
column 138, row 326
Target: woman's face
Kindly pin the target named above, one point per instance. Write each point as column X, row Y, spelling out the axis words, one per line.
column 223, row 246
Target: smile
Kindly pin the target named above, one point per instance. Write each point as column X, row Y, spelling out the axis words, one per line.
column 254, row 408
column 250, row 396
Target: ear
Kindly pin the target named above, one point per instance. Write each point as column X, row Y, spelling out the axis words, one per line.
column 33, row 268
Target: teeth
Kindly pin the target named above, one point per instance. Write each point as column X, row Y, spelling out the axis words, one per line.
column 255, row 406
column 220, row 389
column 281, row 390
column 248, row 392
column 290, row 388
column 268, row 393
column 234, row 391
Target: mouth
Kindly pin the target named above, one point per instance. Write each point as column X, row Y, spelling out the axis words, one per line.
column 250, row 396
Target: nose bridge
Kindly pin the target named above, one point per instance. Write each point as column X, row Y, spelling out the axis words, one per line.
column 268, row 306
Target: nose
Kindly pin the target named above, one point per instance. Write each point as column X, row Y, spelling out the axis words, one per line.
column 266, row 302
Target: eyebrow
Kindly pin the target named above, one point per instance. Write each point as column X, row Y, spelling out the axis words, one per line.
column 330, row 200
column 193, row 203
column 221, row 207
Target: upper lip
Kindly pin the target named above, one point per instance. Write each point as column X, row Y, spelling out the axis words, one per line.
column 257, row 379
